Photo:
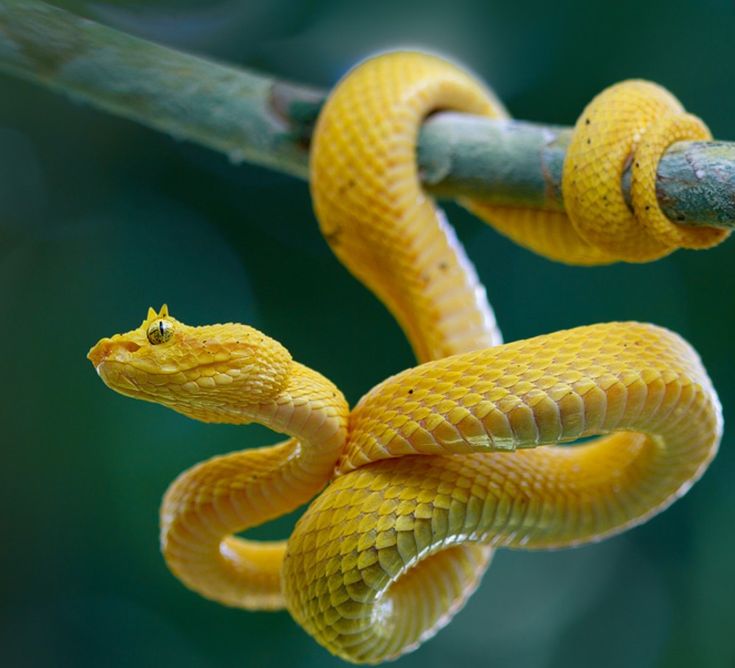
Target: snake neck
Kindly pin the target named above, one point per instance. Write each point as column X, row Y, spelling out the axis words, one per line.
column 308, row 407
column 311, row 409
column 199, row 520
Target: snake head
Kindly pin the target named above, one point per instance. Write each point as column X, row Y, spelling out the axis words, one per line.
column 206, row 372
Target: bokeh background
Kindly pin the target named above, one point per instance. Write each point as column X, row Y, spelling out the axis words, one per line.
column 100, row 218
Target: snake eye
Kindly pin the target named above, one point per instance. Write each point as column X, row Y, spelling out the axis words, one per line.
column 160, row 331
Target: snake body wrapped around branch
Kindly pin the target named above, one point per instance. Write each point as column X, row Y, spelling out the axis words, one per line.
column 440, row 464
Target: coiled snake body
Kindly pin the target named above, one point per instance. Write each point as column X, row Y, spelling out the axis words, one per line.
column 439, row 464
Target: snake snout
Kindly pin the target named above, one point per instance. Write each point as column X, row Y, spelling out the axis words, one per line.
column 104, row 348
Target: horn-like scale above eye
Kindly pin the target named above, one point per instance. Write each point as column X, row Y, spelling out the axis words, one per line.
column 160, row 331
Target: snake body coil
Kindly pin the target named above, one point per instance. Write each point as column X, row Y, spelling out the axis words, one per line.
column 440, row 464
column 407, row 518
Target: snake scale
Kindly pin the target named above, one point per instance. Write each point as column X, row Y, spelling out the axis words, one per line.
column 440, row 464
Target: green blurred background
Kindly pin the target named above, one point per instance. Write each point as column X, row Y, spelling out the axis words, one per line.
column 101, row 218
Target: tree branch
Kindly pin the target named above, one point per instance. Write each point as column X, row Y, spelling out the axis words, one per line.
column 257, row 119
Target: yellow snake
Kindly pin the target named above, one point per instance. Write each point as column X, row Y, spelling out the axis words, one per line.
column 439, row 464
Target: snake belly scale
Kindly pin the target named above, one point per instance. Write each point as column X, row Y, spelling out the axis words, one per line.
column 440, row 464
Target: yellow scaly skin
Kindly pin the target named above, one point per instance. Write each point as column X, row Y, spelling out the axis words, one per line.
column 630, row 122
column 392, row 549
column 366, row 569
column 373, row 212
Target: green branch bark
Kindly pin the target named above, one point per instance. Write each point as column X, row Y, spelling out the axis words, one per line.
column 255, row 118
